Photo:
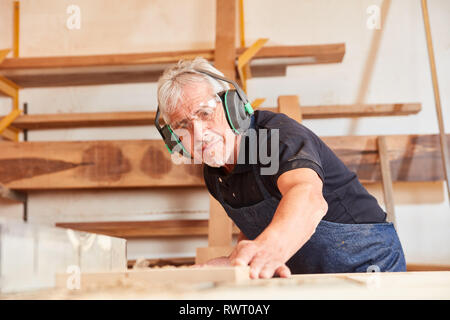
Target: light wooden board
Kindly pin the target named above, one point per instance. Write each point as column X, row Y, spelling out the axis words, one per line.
column 146, row 163
column 145, row 229
column 133, row 118
column 403, row 285
column 171, row 275
column 147, row 67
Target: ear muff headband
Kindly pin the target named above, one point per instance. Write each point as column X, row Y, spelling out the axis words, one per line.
column 240, row 92
column 228, row 114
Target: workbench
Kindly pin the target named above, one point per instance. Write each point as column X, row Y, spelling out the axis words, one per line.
column 404, row 285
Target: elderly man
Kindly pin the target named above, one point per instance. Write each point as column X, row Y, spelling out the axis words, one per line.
column 309, row 215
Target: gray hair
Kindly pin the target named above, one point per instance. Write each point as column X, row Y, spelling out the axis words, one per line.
column 171, row 83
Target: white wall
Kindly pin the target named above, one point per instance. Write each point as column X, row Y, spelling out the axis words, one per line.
column 400, row 74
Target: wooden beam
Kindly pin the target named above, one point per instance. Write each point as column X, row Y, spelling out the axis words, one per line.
column 147, row 67
column 133, row 118
column 16, row 32
column 388, row 189
column 84, row 120
column 365, row 110
column 290, row 106
column 437, row 98
column 220, row 225
column 146, row 277
column 146, row 163
column 336, row 51
column 427, row 267
column 225, row 46
column 143, row 229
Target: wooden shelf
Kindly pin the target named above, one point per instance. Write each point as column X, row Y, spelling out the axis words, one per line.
column 133, row 118
column 143, row 229
column 146, row 163
column 147, row 67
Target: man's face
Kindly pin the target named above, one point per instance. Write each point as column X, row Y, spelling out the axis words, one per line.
column 200, row 123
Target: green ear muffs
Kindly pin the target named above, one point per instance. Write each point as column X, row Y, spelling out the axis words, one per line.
column 237, row 117
column 172, row 141
column 237, row 109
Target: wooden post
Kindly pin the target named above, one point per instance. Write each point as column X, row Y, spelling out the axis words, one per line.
column 437, row 99
column 225, row 52
column 16, row 29
column 290, row 106
column 220, row 226
column 386, row 178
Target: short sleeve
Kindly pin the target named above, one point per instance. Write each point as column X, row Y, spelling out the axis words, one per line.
column 298, row 147
column 299, row 154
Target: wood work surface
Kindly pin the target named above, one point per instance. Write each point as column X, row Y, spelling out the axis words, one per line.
column 405, row 285
column 146, row 163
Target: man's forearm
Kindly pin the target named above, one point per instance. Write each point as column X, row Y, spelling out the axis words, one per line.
column 296, row 218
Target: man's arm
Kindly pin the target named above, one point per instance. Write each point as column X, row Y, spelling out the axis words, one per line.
column 299, row 212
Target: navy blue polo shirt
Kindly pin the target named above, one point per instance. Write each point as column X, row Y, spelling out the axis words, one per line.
column 348, row 201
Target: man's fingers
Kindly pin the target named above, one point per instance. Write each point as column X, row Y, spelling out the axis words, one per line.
column 268, row 271
column 283, row 271
column 243, row 254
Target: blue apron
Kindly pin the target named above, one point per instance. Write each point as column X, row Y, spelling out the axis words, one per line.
column 333, row 248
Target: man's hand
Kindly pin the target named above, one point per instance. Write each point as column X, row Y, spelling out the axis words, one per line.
column 264, row 260
column 300, row 210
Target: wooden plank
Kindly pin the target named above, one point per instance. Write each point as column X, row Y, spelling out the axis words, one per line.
column 290, row 106
column 149, row 276
column 123, row 59
column 99, row 164
column 225, row 45
column 321, row 51
column 220, row 226
column 437, row 98
column 133, row 118
column 84, row 120
column 174, row 262
column 203, row 255
column 386, row 179
column 143, row 229
column 147, row 67
column 146, row 163
column 365, row 110
column 325, row 53
column 383, row 285
column 427, row 267
column 16, row 42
